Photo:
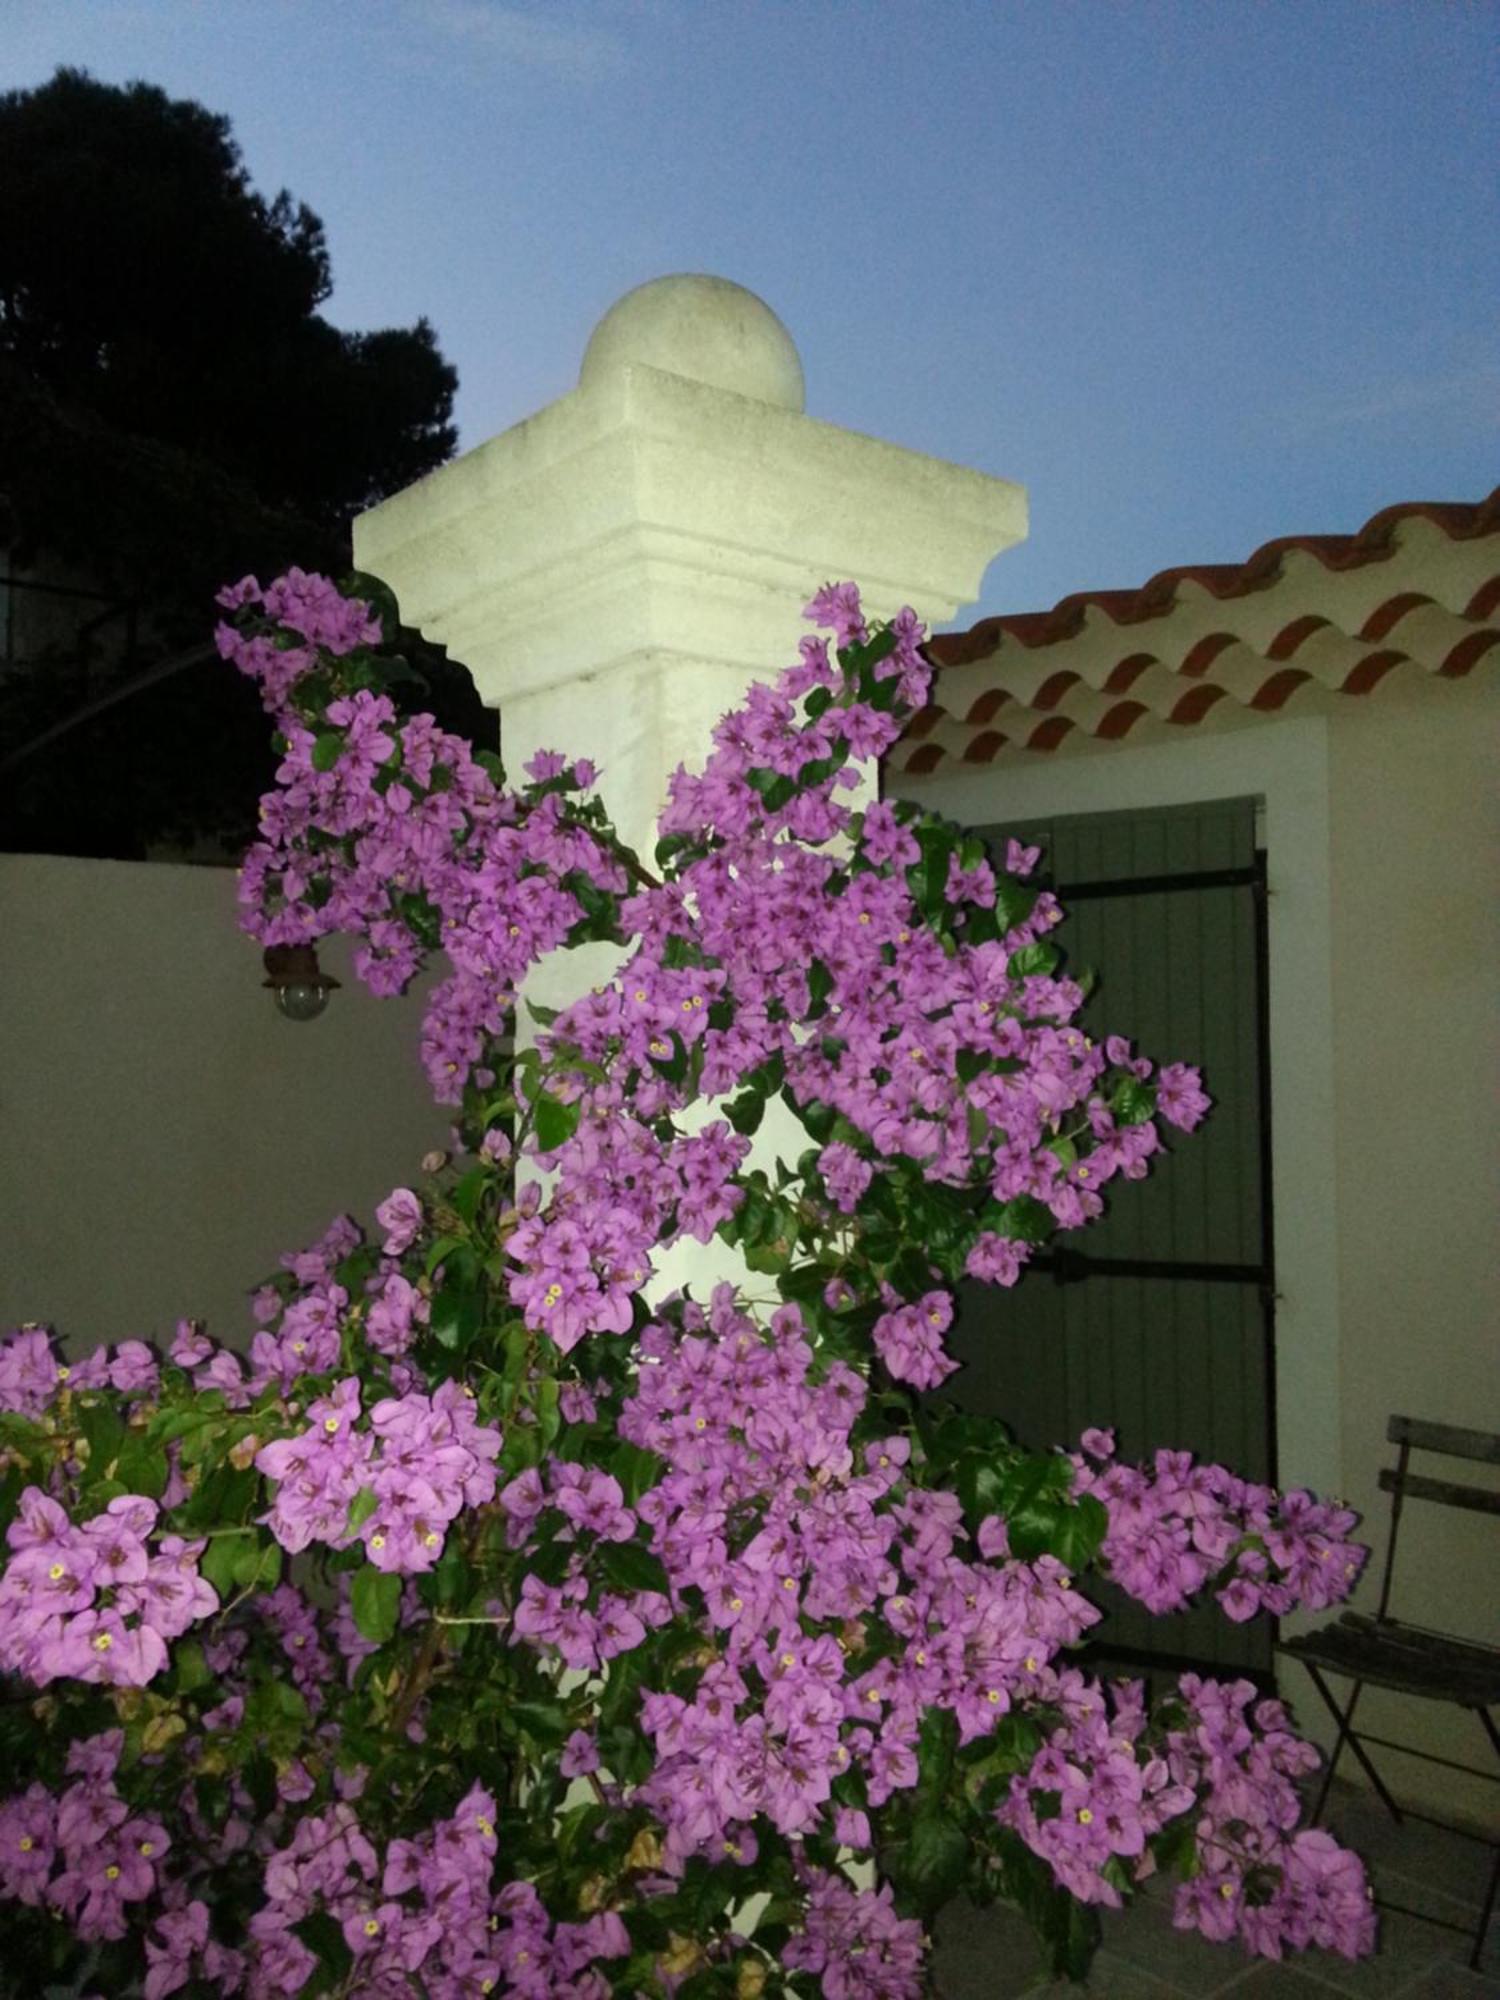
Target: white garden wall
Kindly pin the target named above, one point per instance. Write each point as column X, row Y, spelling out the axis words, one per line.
column 164, row 1133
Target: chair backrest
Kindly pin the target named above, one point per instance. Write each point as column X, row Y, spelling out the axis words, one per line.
column 1446, row 1440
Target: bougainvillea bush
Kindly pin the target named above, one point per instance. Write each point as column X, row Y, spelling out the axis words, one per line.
column 482, row 1628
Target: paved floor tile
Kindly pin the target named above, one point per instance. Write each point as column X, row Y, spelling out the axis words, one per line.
column 984, row 1954
column 1277, row 1982
column 1407, row 1948
column 1454, row 1982
column 1143, row 1935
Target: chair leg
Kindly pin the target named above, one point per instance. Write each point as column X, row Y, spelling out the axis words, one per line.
column 1489, row 1899
column 1485, row 1914
column 1345, row 1719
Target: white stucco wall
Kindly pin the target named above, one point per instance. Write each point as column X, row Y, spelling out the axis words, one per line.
column 166, row 1134
column 1415, row 820
column 1384, row 997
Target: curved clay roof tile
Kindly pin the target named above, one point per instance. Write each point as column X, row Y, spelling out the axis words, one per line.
column 1336, row 634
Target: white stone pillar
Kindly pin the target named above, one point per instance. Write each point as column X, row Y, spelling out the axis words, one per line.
column 617, row 570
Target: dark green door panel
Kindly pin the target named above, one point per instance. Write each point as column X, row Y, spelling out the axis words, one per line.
column 1167, row 1356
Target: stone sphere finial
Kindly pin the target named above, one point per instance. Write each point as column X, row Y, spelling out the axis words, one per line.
column 708, row 329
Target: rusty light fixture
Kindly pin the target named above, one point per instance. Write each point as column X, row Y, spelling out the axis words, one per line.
column 298, row 981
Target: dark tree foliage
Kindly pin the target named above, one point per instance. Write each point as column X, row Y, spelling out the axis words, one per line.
column 174, row 412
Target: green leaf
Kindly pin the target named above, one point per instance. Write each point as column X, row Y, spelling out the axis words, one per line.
column 1036, row 1475
column 441, row 1251
column 550, row 1561
column 142, row 1466
column 1023, row 1217
column 522, row 1449
column 1072, row 1933
column 455, row 1316
column 259, row 1775
column 637, row 1470
column 516, row 1349
column 1014, row 903
column 1014, row 1741
column 805, row 1284
column 1079, row 1531
column 931, row 885
column 911, row 1273
column 670, row 849
column 451, row 1578
column 817, row 1119
column 327, row 749
column 375, row 1599
column 467, row 1196
column 257, row 1566
column 102, row 1427
column 937, row 1739
column 1133, row 1101
column 774, row 789
column 935, row 1859
column 361, row 1507
column 767, row 1076
column 556, row 1122
column 1031, row 959
column 546, row 1722
column 190, row 1668
column 226, row 1495
column 629, row 1566
column 981, row 1488
column 219, row 1559
column 746, row 1111
column 377, row 595
column 1040, row 1518
column 549, row 1417
column 324, row 1938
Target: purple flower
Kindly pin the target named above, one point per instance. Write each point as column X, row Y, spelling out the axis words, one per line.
column 400, row 1216
column 580, row 1755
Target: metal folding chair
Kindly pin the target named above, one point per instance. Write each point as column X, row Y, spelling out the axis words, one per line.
column 1386, row 1652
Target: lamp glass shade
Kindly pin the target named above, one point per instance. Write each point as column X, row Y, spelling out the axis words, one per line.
column 302, row 999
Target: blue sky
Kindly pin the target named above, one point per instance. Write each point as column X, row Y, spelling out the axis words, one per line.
column 1196, row 272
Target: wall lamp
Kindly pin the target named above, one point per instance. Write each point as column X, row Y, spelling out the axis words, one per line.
column 298, row 981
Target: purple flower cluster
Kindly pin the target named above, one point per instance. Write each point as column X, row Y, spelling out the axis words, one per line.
column 955, row 1051
column 421, row 827
column 428, row 1903
column 90, row 1600
column 1096, row 1794
column 82, row 1852
column 854, row 1937
column 1262, row 1878
column 419, row 1462
column 1108, row 1781
column 770, row 1519
column 909, row 1340
column 1174, row 1527
column 31, row 1375
column 703, row 1563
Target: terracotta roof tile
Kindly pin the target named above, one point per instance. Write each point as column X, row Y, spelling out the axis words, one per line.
column 1306, row 620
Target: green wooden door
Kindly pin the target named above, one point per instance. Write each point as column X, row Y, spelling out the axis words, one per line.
column 1157, row 1318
